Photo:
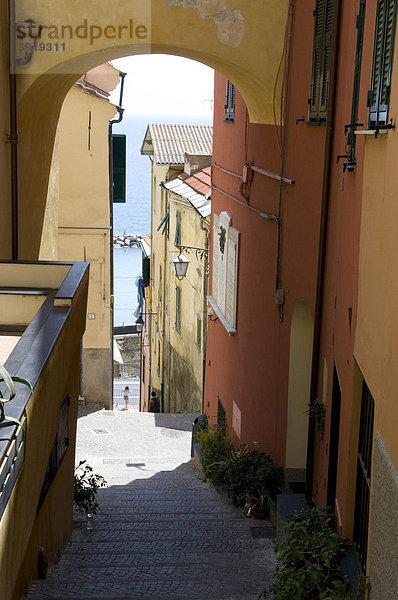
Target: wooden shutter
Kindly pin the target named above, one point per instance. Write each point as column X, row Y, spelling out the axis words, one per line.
column 119, row 167
column 356, row 86
column 383, row 51
column 178, row 309
column 325, row 72
column 177, row 239
column 323, row 26
column 146, row 270
column 230, row 102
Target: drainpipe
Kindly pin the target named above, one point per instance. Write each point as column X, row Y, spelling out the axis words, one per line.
column 12, row 138
column 323, row 234
column 204, row 320
column 120, row 111
column 13, row 135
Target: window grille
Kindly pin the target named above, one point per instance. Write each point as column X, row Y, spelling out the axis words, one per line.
column 364, row 463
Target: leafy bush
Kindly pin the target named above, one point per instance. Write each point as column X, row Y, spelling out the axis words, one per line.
column 251, row 472
column 242, row 470
column 216, row 450
column 308, row 564
column 86, row 486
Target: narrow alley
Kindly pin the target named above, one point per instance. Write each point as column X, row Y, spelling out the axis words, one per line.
column 162, row 532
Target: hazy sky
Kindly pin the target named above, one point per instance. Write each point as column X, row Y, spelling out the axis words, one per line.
column 161, row 84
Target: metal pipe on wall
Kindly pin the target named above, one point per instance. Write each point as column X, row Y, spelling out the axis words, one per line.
column 13, row 135
column 120, row 111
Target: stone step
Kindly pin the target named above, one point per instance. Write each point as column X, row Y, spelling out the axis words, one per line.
column 134, row 546
column 186, row 589
column 220, row 571
column 78, row 561
column 190, row 518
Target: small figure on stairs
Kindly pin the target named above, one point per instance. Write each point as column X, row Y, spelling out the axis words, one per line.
column 154, row 403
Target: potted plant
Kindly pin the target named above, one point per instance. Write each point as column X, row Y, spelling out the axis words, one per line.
column 308, row 562
column 6, row 421
column 86, row 485
column 260, row 510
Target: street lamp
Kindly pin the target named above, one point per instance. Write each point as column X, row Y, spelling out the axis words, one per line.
column 139, row 323
column 180, row 264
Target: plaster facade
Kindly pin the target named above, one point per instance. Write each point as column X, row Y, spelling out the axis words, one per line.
column 77, row 221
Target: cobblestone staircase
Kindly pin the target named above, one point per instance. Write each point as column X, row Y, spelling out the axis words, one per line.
column 169, row 536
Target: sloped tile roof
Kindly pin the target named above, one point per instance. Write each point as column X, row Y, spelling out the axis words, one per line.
column 168, row 142
column 196, row 189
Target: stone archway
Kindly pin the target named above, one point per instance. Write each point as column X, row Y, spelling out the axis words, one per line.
column 244, row 41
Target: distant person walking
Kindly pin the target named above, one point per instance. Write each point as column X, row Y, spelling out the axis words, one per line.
column 154, row 403
column 126, row 393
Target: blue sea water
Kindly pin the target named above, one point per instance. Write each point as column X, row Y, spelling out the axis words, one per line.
column 127, row 267
column 134, row 217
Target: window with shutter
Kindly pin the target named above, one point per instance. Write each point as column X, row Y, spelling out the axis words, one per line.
column 351, row 140
column 364, row 464
column 178, row 309
column 119, row 167
column 383, row 51
column 198, row 332
column 230, row 103
column 323, row 26
column 177, row 239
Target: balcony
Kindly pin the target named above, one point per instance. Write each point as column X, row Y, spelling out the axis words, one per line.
column 42, row 320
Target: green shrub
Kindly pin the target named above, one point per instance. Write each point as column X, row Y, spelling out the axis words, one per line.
column 86, row 485
column 251, row 472
column 216, row 450
column 308, row 563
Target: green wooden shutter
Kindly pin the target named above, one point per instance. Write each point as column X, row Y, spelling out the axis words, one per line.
column 383, row 52
column 323, row 26
column 357, row 81
column 119, row 167
column 325, row 73
column 146, row 270
column 178, row 309
column 177, row 239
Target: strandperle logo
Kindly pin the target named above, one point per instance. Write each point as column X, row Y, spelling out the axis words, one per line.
column 84, row 31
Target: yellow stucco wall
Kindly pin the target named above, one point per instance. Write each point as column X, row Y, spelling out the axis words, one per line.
column 376, row 343
column 77, row 223
column 376, row 340
column 51, row 527
column 158, row 258
column 186, row 368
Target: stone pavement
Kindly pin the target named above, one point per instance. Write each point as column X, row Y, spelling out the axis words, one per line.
column 162, row 532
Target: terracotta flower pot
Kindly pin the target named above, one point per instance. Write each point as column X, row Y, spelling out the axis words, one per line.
column 260, row 512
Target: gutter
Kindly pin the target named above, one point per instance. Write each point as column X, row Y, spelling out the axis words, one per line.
column 13, row 135
column 323, row 236
column 120, row 111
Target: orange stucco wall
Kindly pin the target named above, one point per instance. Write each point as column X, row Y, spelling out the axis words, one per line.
column 251, row 368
